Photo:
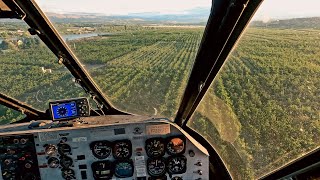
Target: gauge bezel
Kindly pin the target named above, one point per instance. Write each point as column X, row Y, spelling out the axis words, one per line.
column 62, row 158
column 129, row 161
column 54, row 150
column 184, row 144
column 108, row 166
column 170, row 158
column 114, row 149
column 53, row 159
column 164, row 170
column 67, row 169
column 163, row 141
column 61, row 152
column 108, row 143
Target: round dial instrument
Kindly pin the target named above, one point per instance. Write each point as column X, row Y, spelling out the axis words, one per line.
column 124, row 169
column 155, row 147
column 62, row 111
column 64, row 149
column 66, row 161
column 68, row 173
column 51, row 150
column 101, row 149
column 122, row 149
column 53, row 162
column 156, row 167
column 102, row 170
column 176, row 145
column 177, row 164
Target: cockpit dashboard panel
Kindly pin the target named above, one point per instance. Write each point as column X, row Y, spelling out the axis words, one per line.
column 109, row 147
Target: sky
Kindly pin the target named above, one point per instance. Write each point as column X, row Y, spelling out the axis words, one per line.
column 270, row 9
column 121, row 7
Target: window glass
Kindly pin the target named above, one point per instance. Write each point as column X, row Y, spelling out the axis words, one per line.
column 262, row 110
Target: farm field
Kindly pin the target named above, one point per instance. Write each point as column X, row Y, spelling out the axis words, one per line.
column 261, row 111
column 264, row 104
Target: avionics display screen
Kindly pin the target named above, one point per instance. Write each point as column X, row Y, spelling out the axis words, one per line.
column 64, row 110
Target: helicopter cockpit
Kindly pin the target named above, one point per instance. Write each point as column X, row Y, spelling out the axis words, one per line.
column 159, row 90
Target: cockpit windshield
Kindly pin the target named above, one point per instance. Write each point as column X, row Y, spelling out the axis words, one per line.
column 29, row 71
column 262, row 110
column 140, row 53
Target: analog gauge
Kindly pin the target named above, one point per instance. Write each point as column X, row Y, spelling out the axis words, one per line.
column 122, row 149
column 51, row 150
column 64, row 149
column 68, row 173
column 176, row 145
column 156, row 167
column 53, row 162
column 66, row 161
column 177, row 164
column 101, row 149
column 62, row 111
column 102, row 170
column 155, row 147
column 123, row 169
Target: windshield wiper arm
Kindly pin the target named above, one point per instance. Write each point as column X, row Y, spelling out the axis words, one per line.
column 41, row 26
column 17, row 105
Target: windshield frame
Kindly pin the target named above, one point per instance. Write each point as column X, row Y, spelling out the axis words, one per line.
column 30, row 112
column 226, row 23
column 40, row 25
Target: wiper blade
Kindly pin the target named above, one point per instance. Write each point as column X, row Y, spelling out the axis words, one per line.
column 41, row 26
column 17, row 105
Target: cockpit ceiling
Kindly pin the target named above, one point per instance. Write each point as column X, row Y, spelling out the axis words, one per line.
column 4, row 7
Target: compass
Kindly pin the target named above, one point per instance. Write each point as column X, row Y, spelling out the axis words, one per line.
column 62, row 111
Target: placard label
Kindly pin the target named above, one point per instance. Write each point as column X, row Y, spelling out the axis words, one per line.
column 158, row 129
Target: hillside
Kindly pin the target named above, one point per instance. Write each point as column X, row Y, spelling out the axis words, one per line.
column 192, row 16
column 312, row 22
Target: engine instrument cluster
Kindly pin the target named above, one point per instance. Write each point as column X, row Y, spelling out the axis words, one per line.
column 143, row 150
column 18, row 158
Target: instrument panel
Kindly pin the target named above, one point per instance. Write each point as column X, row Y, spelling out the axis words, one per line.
column 149, row 149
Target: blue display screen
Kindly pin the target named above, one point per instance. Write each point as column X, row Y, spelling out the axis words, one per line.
column 65, row 110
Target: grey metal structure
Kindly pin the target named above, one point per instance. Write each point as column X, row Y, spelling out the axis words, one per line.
column 81, row 133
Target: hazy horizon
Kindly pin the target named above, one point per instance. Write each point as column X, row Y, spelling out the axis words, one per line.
column 270, row 9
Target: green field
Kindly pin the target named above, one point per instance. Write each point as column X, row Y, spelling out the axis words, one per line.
column 265, row 102
column 261, row 111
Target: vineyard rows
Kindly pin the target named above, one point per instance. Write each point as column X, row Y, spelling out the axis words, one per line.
column 261, row 111
column 269, row 91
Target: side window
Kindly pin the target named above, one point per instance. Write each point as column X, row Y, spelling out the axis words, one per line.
column 8, row 115
column 263, row 109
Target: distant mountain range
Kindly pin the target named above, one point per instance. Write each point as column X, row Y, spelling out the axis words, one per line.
column 198, row 16
column 192, row 16
column 310, row 22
